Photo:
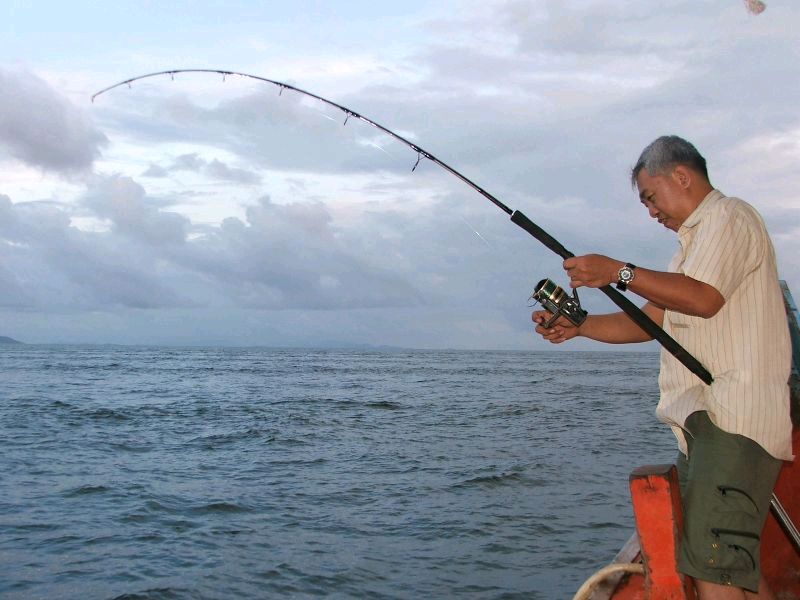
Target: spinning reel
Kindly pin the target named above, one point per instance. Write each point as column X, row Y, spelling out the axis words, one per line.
column 558, row 302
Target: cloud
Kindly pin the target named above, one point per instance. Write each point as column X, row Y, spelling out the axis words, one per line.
column 188, row 162
column 41, row 128
column 214, row 169
column 262, row 129
column 124, row 203
column 219, row 170
column 291, row 256
column 7, row 213
column 155, row 171
column 52, row 266
column 279, row 257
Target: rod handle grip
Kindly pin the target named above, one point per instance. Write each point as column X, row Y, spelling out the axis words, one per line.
column 540, row 234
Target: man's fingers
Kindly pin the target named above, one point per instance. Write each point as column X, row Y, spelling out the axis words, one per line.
column 576, row 281
column 540, row 316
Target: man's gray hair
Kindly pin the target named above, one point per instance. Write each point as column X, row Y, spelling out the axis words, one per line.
column 666, row 153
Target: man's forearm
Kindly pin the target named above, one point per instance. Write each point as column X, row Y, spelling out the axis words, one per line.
column 677, row 292
column 619, row 328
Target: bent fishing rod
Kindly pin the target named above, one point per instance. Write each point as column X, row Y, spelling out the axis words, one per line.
column 628, row 307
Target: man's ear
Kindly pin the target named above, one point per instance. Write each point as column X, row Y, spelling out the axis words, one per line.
column 683, row 176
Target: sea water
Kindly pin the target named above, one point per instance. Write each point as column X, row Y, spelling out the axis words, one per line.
column 200, row 473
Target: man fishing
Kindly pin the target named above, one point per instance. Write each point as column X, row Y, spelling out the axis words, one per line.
column 720, row 299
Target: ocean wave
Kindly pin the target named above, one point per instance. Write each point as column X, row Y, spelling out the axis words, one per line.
column 220, row 507
column 385, row 405
column 135, row 448
column 216, row 440
column 85, row 490
column 109, row 413
column 166, row 593
column 490, row 480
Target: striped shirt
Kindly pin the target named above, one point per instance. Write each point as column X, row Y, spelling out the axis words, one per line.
column 746, row 345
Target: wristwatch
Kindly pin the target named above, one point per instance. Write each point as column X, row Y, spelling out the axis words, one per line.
column 625, row 276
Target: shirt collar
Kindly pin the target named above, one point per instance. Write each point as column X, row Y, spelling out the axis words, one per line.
column 712, row 198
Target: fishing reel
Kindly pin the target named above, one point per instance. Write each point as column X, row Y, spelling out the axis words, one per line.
column 558, row 302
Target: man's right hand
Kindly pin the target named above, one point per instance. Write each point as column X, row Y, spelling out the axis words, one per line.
column 560, row 331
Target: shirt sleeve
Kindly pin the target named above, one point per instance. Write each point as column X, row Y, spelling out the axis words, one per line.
column 726, row 247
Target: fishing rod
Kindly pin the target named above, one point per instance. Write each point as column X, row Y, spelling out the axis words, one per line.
column 628, row 307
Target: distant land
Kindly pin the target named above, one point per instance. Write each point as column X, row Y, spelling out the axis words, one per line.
column 8, row 340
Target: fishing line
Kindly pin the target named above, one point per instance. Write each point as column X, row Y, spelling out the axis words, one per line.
column 628, row 307
column 475, row 231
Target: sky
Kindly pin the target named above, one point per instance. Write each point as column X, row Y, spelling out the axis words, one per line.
column 200, row 210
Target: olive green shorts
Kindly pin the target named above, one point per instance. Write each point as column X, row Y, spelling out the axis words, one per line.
column 726, row 485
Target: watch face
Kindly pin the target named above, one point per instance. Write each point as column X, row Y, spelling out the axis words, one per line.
column 625, row 274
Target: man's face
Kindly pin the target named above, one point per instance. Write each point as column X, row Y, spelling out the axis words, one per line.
column 662, row 195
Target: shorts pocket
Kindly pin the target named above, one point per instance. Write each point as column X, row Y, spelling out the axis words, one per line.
column 733, row 550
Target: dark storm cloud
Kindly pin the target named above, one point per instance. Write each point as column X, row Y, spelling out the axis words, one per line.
column 42, row 128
